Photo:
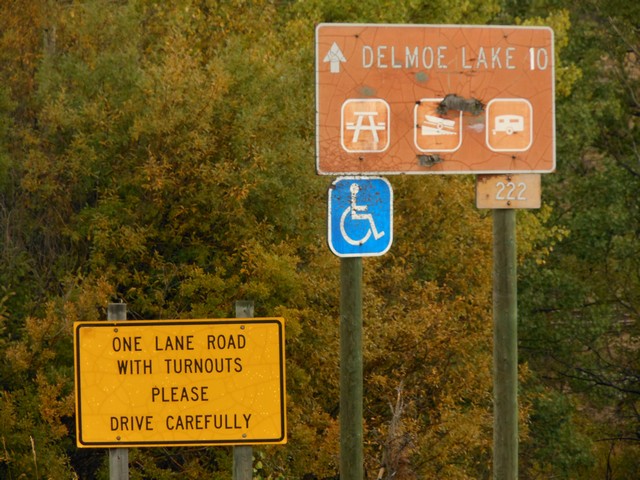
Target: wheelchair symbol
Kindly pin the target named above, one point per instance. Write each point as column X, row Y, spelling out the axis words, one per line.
column 360, row 216
column 353, row 211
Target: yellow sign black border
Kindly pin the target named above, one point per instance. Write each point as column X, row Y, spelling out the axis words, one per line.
column 77, row 334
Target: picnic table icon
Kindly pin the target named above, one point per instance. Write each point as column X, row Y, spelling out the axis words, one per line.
column 365, row 125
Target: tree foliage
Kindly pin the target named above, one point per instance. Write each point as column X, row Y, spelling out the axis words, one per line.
column 580, row 323
column 161, row 154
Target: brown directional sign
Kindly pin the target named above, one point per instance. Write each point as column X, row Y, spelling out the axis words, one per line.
column 394, row 99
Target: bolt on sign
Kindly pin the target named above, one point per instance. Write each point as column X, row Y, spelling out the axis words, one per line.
column 422, row 99
column 180, row 382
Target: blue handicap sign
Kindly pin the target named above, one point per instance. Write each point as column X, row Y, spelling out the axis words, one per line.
column 360, row 216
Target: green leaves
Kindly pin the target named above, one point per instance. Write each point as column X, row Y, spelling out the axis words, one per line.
column 579, row 312
column 162, row 153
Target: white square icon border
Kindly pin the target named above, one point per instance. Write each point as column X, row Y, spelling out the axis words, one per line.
column 517, row 122
column 436, row 126
column 372, row 127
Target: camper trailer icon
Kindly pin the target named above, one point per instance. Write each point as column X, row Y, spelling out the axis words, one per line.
column 508, row 124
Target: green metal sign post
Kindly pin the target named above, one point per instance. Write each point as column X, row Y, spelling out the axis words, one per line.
column 351, row 383
column 505, row 346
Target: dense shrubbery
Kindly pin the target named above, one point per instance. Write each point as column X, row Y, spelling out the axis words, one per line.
column 162, row 154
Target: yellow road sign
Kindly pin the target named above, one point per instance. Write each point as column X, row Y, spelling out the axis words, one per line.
column 180, row 382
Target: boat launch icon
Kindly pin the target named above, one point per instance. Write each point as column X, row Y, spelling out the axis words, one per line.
column 435, row 132
column 438, row 126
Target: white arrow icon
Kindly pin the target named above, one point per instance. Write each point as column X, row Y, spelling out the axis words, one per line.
column 335, row 57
